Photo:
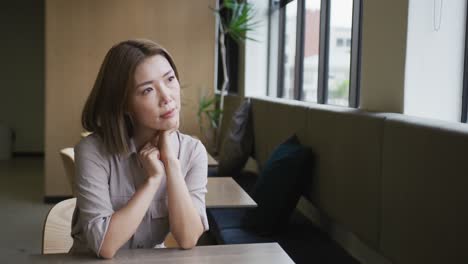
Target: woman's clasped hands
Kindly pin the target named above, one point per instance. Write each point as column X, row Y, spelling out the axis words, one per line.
column 156, row 154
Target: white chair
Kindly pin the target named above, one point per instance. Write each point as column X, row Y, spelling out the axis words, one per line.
column 56, row 235
column 68, row 160
column 85, row 134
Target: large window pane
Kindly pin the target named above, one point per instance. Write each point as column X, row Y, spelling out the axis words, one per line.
column 341, row 14
column 273, row 37
column 311, row 50
column 289, row 49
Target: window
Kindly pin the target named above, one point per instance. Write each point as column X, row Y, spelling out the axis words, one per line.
column 340, row 57
column 289, row 50
column 314, row 50
column 311, row 50
column 339, row 42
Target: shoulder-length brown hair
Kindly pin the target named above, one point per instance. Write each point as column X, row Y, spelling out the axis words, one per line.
column 105, row 110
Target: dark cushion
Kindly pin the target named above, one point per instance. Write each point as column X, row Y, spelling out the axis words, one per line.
column 246, row 180
column 238, row 144
column 279, row 187
column 302, row 240
column 219, row 218
column 242, row 236
column 222, row 218
column 212, row 171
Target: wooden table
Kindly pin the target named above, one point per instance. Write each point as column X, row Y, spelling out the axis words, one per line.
column 224, row 192
column 270, row 253
column 211, row 161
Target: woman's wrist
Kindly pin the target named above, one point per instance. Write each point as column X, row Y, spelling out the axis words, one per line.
column 171, row 163
column 153, row 181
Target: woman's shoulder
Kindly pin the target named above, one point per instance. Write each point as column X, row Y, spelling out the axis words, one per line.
column 190, row 141
column 192, row 144
column 91, row 144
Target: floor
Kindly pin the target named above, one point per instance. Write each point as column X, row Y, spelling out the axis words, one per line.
column 22, row 208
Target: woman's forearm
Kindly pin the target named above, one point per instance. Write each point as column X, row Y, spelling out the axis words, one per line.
column 185, row 222
column 124, row 222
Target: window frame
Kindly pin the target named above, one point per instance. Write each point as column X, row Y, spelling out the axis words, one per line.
column 464, row 112
column 324, row 42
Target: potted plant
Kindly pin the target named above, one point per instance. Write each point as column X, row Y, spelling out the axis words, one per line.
column 209, row 114
column 234, row 19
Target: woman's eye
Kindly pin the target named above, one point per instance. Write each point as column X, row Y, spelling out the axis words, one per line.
column 147, row 90
column 171, row 78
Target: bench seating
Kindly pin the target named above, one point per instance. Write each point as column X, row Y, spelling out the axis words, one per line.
column 395, row 183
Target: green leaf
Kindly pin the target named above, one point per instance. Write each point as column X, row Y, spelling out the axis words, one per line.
column 239, row 20
column 207, row 107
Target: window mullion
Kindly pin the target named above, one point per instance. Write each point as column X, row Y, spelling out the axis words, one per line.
column 281, row 51
column 322, row 89
column 355, row 72
column 299, row 58
column 464, row 115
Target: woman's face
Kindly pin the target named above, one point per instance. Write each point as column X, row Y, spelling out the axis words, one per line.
column 154, row 101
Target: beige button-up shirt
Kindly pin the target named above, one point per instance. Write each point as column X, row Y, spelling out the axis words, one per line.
column 104, row 183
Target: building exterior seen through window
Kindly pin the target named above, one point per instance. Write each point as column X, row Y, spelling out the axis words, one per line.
column 290, row 50
column 339, row 59
column 337, row 55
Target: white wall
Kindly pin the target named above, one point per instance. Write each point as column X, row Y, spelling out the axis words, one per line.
column 434, row 59
column 77, row 36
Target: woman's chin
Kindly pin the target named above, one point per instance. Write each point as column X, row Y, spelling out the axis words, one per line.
column 169, row 124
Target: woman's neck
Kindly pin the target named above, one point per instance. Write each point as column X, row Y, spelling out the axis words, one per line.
column 142, row 136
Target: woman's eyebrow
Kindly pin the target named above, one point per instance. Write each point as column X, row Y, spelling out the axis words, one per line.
column 150, row 81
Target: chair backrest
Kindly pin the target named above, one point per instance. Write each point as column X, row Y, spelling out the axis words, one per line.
column 85, row 134
column 56, row 235
column 68, row 160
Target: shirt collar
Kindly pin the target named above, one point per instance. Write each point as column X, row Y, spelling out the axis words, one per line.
column 131, row 147
column 133, row 150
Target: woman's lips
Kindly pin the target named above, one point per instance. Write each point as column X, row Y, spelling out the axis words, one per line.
column 168, row 114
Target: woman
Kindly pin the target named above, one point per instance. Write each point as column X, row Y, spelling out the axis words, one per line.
column 137, row 176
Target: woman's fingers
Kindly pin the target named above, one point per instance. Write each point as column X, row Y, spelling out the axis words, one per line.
column 154, row 151
column 149, row 157
column 147, row 146
column 155, row 139
column 147, row 152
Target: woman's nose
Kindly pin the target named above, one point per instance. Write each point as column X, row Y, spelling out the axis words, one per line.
column 165, row 96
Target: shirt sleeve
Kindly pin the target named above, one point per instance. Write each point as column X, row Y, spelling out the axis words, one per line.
column 92, row 193
column 196, row 180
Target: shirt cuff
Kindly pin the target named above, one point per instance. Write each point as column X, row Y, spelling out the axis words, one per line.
column 96, row 232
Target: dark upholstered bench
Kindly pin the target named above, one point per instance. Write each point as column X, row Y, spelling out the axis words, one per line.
column 303, row 242
column 277, row 190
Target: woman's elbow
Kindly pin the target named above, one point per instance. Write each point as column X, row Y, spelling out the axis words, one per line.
column 189, row 243
column 106, row 253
